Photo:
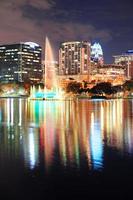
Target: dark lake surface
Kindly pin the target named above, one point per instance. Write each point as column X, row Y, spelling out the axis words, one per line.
column 66, row 149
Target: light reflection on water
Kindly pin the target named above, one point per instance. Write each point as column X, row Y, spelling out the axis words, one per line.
column 67, row 133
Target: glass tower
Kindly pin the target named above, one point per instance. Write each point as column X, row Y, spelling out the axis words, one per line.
column 21, row 62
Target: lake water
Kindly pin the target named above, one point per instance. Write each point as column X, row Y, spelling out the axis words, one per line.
column 74, row 149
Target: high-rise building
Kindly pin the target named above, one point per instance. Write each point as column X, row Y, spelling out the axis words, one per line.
column 21, row 62
column 97, row 53
column 126, row 60
column 96, row 58
column 74, row 58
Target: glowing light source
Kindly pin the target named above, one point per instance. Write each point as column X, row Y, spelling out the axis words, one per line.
column 96, row 52
column 32, row 44
column 96, row 143
column 32, row 150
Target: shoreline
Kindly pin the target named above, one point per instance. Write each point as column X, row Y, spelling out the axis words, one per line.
column 65, row 99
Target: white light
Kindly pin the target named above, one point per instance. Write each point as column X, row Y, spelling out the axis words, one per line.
column 32, row 150
column 96, row 50
column 8, row 111
column 12, row 111
column 32, row 44
column 20, row 112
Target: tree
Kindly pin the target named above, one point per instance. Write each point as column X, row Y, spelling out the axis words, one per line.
column 117, row 88
column 73, row 87
column 85, row 84
column 101, row 88
column 128, row 85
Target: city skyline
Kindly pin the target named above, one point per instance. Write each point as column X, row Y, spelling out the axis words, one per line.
column 104, row 22
column 66, row 99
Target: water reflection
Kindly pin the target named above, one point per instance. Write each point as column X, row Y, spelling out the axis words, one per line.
column 66, row 133
column 96, row 143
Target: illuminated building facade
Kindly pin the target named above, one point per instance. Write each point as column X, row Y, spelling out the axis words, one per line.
column 127, row 61
column 96, row 58
column 97, row 53
column 74, row 58
column 111, row 73
column 20, row 62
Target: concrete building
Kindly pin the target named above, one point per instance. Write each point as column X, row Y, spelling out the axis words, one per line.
column 20, row 62
column 110, row 73
column 74, row 58
column 126, row 60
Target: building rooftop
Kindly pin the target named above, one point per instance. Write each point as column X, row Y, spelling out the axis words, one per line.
column 32, row 44
column 112, row 66
column 127, row 53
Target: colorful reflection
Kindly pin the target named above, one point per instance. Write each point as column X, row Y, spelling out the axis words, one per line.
column 66, row 133
column 96, row 143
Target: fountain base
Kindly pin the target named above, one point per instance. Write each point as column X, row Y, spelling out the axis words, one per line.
column 47, row 96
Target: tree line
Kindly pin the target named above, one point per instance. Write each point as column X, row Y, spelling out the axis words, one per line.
column 102, row 88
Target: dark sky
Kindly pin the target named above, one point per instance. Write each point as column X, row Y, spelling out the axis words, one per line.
column 109, row 22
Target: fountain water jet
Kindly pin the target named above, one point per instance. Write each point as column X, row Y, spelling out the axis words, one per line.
column 51, row 88
column 50, row 73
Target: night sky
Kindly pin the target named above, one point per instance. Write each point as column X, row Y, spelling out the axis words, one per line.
column 109, row 22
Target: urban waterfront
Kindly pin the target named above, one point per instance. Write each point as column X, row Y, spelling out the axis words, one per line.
column 76, row 149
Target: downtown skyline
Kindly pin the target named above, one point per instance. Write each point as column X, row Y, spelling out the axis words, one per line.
column 107, row 22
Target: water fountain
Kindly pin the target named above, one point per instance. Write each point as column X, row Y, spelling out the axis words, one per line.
column 51, row 88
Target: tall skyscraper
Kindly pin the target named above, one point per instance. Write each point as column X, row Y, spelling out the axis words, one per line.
column 21, row 62
column 74, row 58
column 126, row 60
column 97, row 53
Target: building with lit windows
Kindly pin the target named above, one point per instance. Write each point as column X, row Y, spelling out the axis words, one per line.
column 110, row 73
column 20, row 62
column 97, row 53
column 126, row 60
column 96, row 58
column 74, row 58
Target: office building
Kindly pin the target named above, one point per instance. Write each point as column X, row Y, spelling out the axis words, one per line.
column 74, row 58
column 96, row 58
column 110, row 73
column 126, row 60
column 97, row 53
column 20, row 62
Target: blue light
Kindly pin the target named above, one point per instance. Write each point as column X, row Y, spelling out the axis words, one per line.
column 47, row 95
column 96, row 144
column 129, row 52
